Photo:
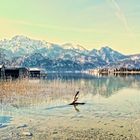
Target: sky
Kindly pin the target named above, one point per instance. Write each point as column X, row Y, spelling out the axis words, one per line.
column 90, row 23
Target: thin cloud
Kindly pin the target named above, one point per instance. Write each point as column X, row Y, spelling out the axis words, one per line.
column 121, row 16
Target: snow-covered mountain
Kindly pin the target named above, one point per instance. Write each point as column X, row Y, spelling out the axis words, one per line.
column 130, row 62
column 23, row 51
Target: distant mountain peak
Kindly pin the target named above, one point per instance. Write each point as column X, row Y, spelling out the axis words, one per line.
column 20, row 37
column 106, row 48
column 74, row 46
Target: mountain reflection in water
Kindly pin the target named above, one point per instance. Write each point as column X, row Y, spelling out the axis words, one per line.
column 104, row 85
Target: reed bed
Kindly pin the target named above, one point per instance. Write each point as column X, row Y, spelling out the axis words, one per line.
column 30, row 92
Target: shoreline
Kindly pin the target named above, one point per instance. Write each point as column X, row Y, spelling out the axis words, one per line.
column 70, row 129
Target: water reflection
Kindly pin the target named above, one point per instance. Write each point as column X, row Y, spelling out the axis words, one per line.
column 75, row 106
column 58, row 90
column 57, row 107
column 76, row 109
column 105, row 85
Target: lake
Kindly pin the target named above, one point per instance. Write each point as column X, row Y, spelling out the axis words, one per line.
column 112, row 103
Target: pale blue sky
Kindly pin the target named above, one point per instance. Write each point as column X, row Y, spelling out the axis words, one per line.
column 91, row 23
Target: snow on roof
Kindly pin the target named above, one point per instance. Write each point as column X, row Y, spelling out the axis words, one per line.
column 1, row 66
column 16, row 67
column 34, row 69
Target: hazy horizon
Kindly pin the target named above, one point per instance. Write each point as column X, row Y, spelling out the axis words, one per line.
column 92, row 24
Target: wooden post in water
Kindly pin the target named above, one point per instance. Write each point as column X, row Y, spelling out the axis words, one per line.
column 75, row 100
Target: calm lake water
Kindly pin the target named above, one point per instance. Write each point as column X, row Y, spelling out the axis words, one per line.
column 105, row 96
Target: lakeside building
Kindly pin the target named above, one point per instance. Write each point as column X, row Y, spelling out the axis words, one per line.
column 37, row 73
column 34, row 72
column 20, row 72
column 16, row 72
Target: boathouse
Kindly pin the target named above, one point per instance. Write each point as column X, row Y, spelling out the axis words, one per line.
column 34, row 72
column 16, row 72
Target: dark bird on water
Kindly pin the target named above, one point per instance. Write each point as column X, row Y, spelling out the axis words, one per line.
column 75, row 100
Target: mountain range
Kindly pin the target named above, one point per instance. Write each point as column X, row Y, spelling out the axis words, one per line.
column 23, row 51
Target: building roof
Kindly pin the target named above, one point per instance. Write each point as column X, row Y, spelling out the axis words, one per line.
column 15, row 67
column 34, row 69
column 1, row 66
